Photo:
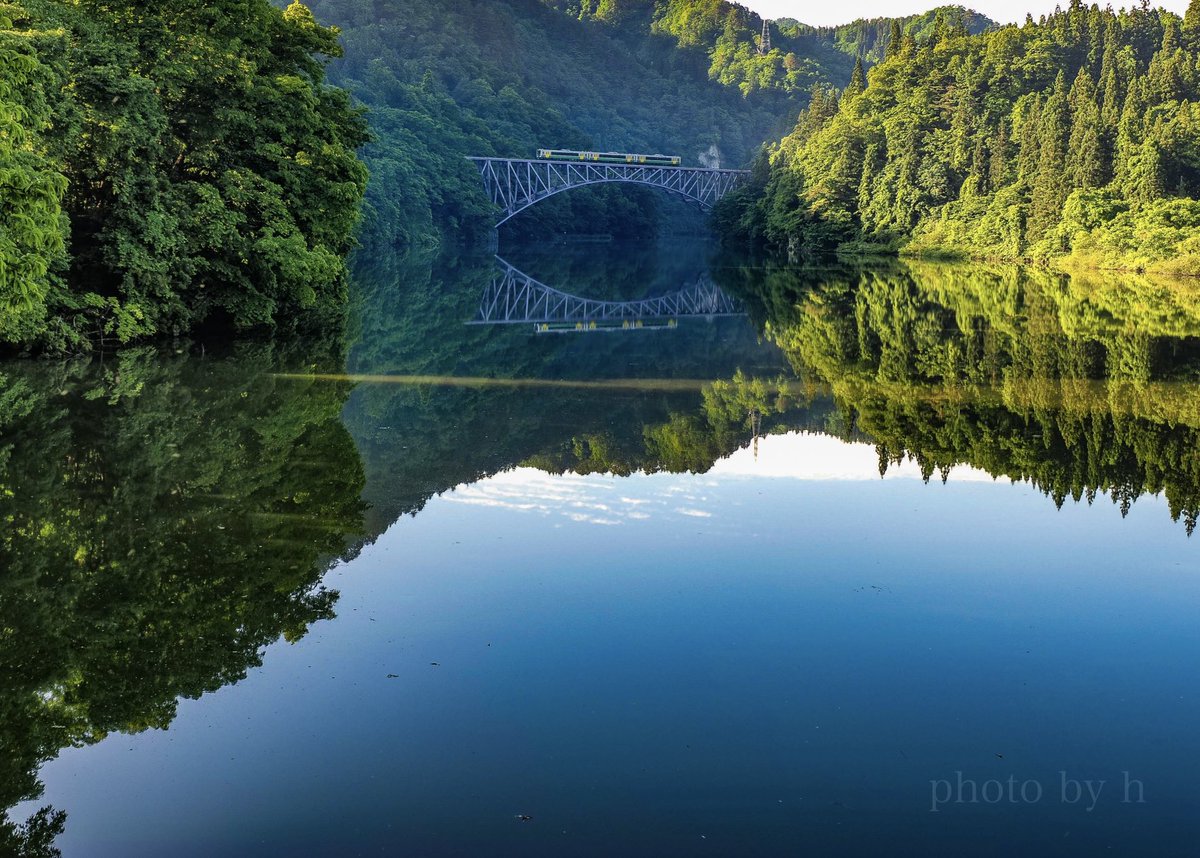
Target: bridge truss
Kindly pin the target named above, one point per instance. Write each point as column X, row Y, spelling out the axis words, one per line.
column 514, row 297
column 515, row 184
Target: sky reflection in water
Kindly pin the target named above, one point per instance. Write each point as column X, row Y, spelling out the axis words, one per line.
column 779, row 653
column 744, row 645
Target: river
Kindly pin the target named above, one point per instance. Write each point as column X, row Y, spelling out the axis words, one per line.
column 886, row 558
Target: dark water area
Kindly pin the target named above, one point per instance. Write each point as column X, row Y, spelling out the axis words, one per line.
column 607, row 549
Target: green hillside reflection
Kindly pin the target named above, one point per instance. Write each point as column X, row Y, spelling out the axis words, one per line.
column 165, row 517
column 1081, row 386
column 169, row 514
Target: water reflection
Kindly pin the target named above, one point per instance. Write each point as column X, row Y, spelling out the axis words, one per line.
column 164, row 518
column 462, row 402
column 169, row 515
column 1080, row 385
column 513, row 297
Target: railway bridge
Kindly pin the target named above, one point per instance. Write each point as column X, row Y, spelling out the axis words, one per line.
column 515, row 184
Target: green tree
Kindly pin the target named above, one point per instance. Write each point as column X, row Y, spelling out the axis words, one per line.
column 33, row 229
column 210, row 174
column 1059, row 140
column 1085, row 154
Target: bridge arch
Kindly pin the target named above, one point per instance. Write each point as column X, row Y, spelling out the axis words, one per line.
column 515, row 184
column 510, row 214
column 513, row 297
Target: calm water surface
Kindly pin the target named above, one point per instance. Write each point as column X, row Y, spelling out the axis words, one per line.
column 886, row 560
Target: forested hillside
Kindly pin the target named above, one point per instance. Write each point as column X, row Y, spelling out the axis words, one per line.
column 503, row 77
column 169, row 165
column 1076, row 137
column 868, row 38
column 176, row 166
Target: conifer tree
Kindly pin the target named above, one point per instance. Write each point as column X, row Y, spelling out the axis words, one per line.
column 1085, row 156
column 1129, row 134
column 1030, row 142
column 897, row 36
column 977, row 181
column 976, row 149
column 998, row 167
column 1191, row 26
column 858, row 79
column 1146, row 180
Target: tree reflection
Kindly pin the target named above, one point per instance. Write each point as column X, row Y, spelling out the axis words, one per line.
column 165, row 519
column 1082, row 386
column 167, row 516
column 418, row 440
column 1078, row 385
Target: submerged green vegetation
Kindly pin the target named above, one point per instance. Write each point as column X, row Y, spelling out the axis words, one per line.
column 1074, row 139
column 169, row 166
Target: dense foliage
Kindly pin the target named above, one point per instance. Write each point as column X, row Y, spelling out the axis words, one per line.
column 170, row 165
column 504, row 77
column 729, row 39
column 179, row 166
column 868, row 38
column 1077, row 136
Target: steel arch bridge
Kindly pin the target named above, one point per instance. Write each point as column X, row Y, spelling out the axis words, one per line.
column 515, row 184
column 514, row 297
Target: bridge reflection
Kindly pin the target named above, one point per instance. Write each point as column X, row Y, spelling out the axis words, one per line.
column 515, row 298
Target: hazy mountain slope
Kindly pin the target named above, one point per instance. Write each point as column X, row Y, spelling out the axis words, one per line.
column 506, row 76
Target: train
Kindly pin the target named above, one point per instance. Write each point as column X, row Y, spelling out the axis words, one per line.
column 605, row 325
column 609, row 157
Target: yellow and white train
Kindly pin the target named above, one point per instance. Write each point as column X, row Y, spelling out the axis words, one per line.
column 609, row 157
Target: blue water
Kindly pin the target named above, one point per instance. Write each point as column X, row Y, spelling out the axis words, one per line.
column 786, row 665
column 463, row 590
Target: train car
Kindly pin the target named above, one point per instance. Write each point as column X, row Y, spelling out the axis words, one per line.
column 605, row 326
column 609, row 158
